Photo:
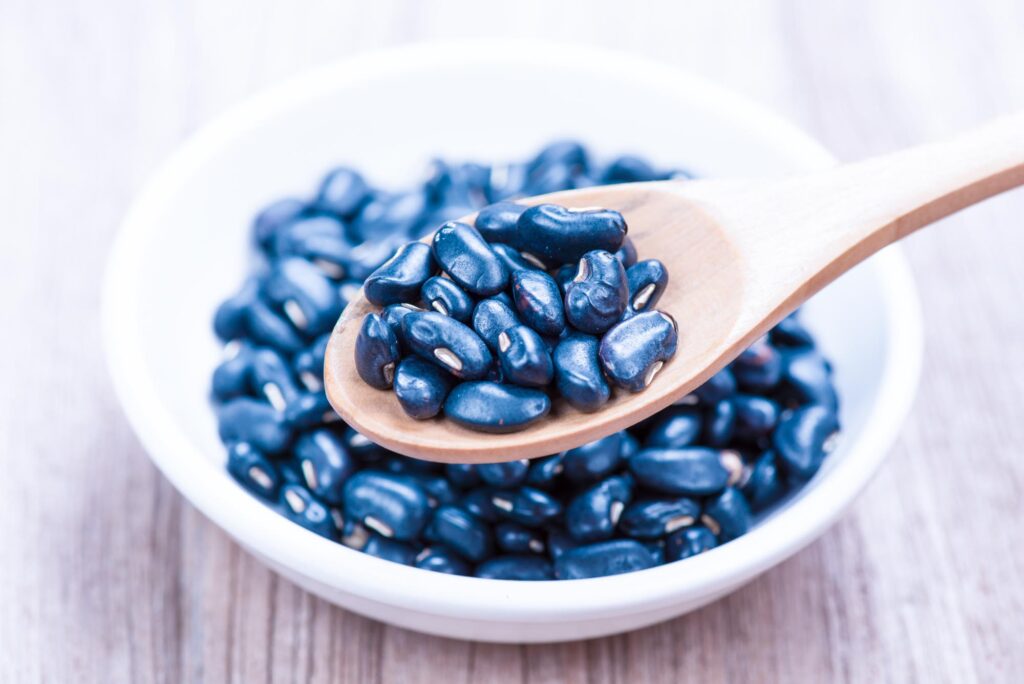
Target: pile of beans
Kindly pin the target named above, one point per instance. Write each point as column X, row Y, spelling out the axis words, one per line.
column 524, row 299
column 682, row 482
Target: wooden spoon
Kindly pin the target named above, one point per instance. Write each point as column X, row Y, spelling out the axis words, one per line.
column 741, row 254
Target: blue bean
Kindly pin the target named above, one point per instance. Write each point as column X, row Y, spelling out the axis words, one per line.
column 396, row 463
column 526, row 506
column 268, row 328
column 524, row 357
column 558, row 235
column 492, row 407
column 388, row 214
column 438, row 490
column 505, row 474
column 389, row 550
column 630, row 446
column 758, row 368
column 507, row 181
column 308, row 364
column 254, row 422
column 301, row 507
column 603, row 558
column 765, row 485
column 439, row 559
column 807, row 379
column 497, row 222
column 629, row 169
column 721, row 424
column 233, row 377
column 421, row 387
column 458, row 184
column 362, row 448
column 688, row 542
column 325, row 464
column 675, row 427
column 513, row 260
column 445, row 297
column 633, row 351
column 594, row 460
column 231, row 317
column 802, row 440
column 464, row 533
column 538, row 301
column 274, row 216
column 592, row 515
column 515, row 567
column 479, row 503
column 563, row 276
column 727, row 515
column 791, row 333
column 377, row 352
column 393, row 315
column 755, row 417
column 559, row 542
column 367, row 258
column 515, row 538
column 491, row 317
column 253, row 470
column 467, row 258
column 462, row 475
column 654, row 518
column 342, row 192
column 400, row 278
column 596, row 298
column 690, row 471
column 386, row 504
column 447, row 343
column 544, row 472
column 719, row 386
column 271, row 376
column 647, row 282
column 295, row 237
column 310, row 409
column 578, row 373
column 569, row 154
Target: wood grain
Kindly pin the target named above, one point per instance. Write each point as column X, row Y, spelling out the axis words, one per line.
column 107, row 576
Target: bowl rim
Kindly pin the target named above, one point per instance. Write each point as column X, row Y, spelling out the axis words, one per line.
column 271, row 536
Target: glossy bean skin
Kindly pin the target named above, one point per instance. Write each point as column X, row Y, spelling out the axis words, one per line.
column 755, row 416
column 342, row 192
column 765, row 485
column 807, row 379
column 515, row 538
column 230, row 319
column 309, row 410
column 719, row 386
column 511, row 258
column 401, row 277
column 603, row 558
column 421, row 387
column 491, row 407
column 524, row 568
column 505, row 474
column 633, row 351
column 688, row 542
column 389, row 550
column 727, row 515
column 301, row 507
column 578, row 373
column 438, row 490
column 676, row 427
column 559, row 235
column 544, row 472
column 802, row 438
column 721, row 424
column 462, row 532
column 594, row 460
column 308, row 364
column 497, row 222
column 306, row 296
column 462, row 475
column 325, row 464
column 367, row 258
column 654, row 518
column 254, row 422
column 447, row 343
column 362, row 448
column 524, row 357
column 467, row 258
column 593, row 515
column 253, row 470
column 539, row 302
column 479, row 502
column 445, row 297
column 758, row 368
column 439, row 559
column 386, row 504
column 377, row 352
column 233, row 377
column 647, row 282
column 309, row 234
column 393, row 315
column 271, row 377
column 563, row 276
column 690, row 471
column 627, row 254
column 274, row 216
column 526, row 506
column 491, row 317
column 268, row 328
column 387, row 214
column 596, row 297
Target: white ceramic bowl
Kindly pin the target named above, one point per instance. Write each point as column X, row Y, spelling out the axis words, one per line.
column 183, row 247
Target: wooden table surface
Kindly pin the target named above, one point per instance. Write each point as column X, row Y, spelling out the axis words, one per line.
column 107, row 575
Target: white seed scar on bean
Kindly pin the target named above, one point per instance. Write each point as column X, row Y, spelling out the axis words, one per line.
column 295, row 502
column 358, row 440
column 275, row 396
column 582, row 272
column 651, row 372
column 448, row 358
column 260, row 477
column 580, row 210
column 439, row 307
column 378, row 526
column 615, row 511
column 338, row 518
column 644, row 296
column 389, row 372
column 503, row 504
column 711, row 524
column 232, row 349
column 678, row 522
column 309, row 473
column 330, row 269
column 295, row 314
column 357, row 538
column 532, row 260
column 310, row 381
column 536, row 545
column 733, row 464
column 423, row 554
column 504, row 342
